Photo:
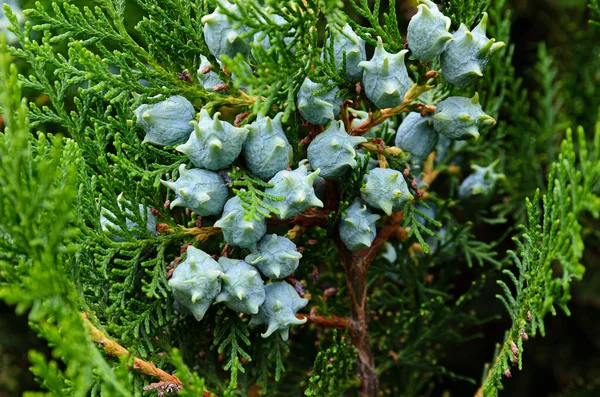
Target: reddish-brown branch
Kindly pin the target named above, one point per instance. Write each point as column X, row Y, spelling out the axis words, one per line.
column 328, row 322
column 310, row 217
column 356, row 266
column 380, row 116
column 167, row 381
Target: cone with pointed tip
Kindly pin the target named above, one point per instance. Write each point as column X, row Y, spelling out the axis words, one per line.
column 318, row 109
column 238, row 231
column 108, row 226
column 333, row 151
column 466, row 57
column 348, row 42
column 460, row 118
column 480, row 183
column 297, row 189
column 267, row 150
column 201, row 191
column 210, row 79
column 214, row 144
column 428, row 34
column 279, row 309
column 221, row 35
column 385, row 189
column 277, row 257
column 417, row 136
column 357, row 227
column 166, row 123
column 385, row 78
column 243, row 290
column 196, row 282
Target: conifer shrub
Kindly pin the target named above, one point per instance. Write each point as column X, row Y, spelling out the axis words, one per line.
column 275, row 198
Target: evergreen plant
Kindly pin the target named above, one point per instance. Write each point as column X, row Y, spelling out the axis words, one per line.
column 217, row 201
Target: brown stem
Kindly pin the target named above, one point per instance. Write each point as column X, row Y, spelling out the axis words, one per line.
column 167, row 381
column 380, row 116
column 328, row 322
column 356, row 266
column 310, row 217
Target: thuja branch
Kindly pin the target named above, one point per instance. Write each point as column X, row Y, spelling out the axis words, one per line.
column 379, row 116
column 167, row 381
column 328, row 322
column 356, row 266
column 113, row 348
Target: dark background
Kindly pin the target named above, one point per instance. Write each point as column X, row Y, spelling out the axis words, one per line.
column 566, row 362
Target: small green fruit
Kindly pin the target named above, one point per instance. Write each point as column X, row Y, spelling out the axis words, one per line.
column 214, row 144
column 277, row 257
column 427, row 34
column 166, row 123
column 385, row 189
column 357, row 227
column 243, row 290
column 460, row 118
column 333, row 151
column 196, row 282
column 385, row 78
column 238, row 231
column 201, row 191
column 318, row 109
column 297, row 189
column 466, row 57
column 279, row 310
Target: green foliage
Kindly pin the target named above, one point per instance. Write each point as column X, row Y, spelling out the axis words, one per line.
column 549, row 251
column 595, row 7
column 333, row 370
column 252, row 197
column 464, row 11
column 231, row 335
column 388, row 30
column 93, row 69
column 38, row 230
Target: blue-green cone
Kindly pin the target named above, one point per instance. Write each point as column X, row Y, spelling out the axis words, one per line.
column 357, row 227
column 208, row 80
column 318, row 109
column 277, row 257
column 243, row 290
column 385, row 78
column 297, row 189
column 480, row 183
column 333, row 151
column 427, row 33
column 279, row 310
column 347, row 41
column 267, row 150
column 466, row 57
column 214, row 144
column 460, row 118
column 220, row 35
column 166, row 123
column 238, row 231
column 417, row 136
column 385, row 189
column 201, row 191
column 196, row 282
